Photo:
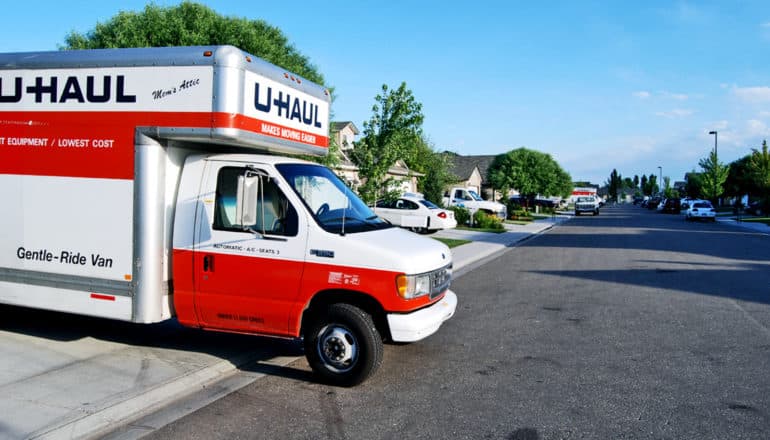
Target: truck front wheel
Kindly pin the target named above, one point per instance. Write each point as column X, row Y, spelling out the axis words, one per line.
column 343, row 346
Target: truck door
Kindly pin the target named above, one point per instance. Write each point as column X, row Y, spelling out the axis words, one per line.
column 246, row 280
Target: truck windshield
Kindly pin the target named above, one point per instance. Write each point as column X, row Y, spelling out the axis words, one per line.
column 334, row 206
column 475, row 196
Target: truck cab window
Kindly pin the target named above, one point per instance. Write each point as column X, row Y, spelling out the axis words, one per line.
column 275, row 215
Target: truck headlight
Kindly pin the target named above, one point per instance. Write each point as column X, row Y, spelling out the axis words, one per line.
column 413, row 286
column 432, row 283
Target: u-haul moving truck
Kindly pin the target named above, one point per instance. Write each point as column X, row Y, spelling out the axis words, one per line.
column 132, row 189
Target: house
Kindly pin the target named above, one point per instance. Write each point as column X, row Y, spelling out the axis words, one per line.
column 344, row 134
column 471, row 172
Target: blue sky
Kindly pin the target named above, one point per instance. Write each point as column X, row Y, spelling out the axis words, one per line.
column 596, row 84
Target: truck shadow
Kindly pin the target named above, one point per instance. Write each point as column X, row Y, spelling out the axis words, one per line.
column 246, row 352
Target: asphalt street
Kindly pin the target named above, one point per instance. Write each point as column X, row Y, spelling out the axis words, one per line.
column 631, row 324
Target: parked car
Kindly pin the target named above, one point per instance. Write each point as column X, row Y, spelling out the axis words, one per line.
column 587, row 204
column 415, row 213
column 685, row 203
column 701, row 210
column 753, row 208
column 672, row 206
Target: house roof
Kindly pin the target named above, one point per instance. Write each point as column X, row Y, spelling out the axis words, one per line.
column 462, row 166
column 338, row 126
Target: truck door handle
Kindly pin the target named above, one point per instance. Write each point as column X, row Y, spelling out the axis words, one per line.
column 208, row 263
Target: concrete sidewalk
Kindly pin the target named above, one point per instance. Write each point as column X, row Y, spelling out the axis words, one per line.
column 485, row 245
column 65, row 376
column 750, row 226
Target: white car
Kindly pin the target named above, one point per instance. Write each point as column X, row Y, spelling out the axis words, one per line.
column 700, row 210
column 416, row 214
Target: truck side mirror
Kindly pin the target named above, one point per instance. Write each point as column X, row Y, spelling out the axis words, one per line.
column 246, row 200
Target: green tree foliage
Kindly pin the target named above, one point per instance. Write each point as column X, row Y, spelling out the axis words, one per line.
column 714, row 176
column 759, row 169
column 530, row 172
column 643, row 185
column 739, row 180
column 650, row 185
column 394, row 129
column 435, row 167
column 614, row 184
column 193, row 24
column 694, row 185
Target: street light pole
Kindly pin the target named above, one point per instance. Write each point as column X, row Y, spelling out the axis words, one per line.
column 660, row 183
column 716, row 164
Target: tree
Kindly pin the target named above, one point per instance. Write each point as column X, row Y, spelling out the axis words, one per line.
column 193, row 24
column 650, row 185
column 643, row 185
column 714, row 176
column 694, row 184
column 394, row 128
column 530, row 172
column 636, row 181
column 421, row 157
column 614, row 184
column 759, row 170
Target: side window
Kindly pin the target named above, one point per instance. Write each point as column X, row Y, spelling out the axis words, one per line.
column 458, row 194
column 408, row 204
column 275, row 215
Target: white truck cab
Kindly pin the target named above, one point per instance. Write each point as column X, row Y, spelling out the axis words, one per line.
column 469, row 199
column 153, row 163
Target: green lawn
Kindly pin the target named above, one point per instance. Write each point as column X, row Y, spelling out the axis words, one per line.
column 451, row 242
column 496, row 231
column 765, row 220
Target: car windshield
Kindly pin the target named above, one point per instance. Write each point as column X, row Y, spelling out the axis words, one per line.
column 429, row 204
column 475, row 195
column 702, row 205
column 585, row 199
column 334, row 206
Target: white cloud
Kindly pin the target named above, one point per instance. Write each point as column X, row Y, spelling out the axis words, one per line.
column 765, row 25
column 756, row 128
column 641, row 94
column 752, row 94
column 677, row 96
column 675, row 113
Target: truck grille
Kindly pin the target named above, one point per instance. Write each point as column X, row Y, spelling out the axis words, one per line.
column 440, row 280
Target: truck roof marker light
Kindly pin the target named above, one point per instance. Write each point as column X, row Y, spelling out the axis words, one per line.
column 102, row 297
column 127, row 277
column 286, row 75
column 208, row 53
column 248, row 59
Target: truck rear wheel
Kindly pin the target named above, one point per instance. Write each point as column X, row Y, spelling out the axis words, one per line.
column 343, row 346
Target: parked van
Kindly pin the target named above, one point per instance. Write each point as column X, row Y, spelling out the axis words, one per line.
column 150, row 184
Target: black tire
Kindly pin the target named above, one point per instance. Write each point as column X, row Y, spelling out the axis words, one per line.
column 343, row 346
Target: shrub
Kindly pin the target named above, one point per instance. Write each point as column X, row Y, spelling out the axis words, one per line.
column 485, row 221
column 519, row 214
column 462, row 215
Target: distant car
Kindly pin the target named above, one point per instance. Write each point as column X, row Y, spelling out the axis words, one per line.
column 701, row 210
column 685, row 203
column 416, row 214
column 586, row 204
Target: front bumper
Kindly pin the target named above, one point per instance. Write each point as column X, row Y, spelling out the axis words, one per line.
column 411, row 327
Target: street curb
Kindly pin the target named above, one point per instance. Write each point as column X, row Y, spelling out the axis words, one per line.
column 95, row 423
column 459, row 272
